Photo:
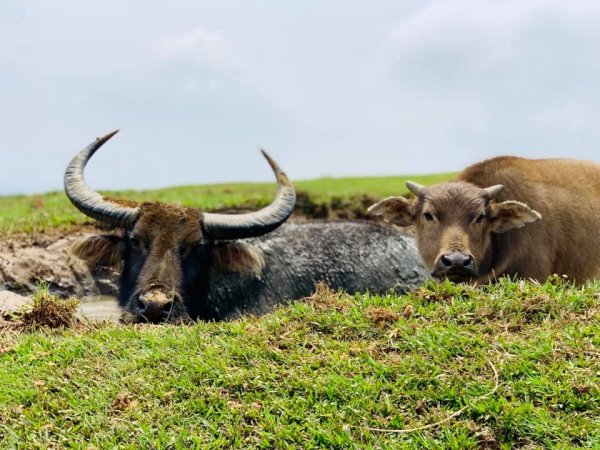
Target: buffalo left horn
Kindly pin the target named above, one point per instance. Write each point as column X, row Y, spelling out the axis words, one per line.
column 239, row 226
column 494, row 190
column 89, row 201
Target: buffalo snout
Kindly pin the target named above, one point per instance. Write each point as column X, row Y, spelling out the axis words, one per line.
column 157, row 306
column 455, row 266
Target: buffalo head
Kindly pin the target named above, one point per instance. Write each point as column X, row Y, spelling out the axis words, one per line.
column 169, row 253
column 455, row 222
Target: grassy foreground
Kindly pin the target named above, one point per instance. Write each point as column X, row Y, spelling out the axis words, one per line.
column 506, row 366
column 39, row 213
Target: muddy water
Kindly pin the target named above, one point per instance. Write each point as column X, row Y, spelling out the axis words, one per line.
column 100, row 308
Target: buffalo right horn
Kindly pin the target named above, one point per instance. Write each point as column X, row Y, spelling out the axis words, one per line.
column 415, row 188
column 89, row 201
column 239, row 226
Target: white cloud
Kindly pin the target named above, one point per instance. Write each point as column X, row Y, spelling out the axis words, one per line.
column 483, row 17
column 468, row 37
column 195, row 46
column 493, row 76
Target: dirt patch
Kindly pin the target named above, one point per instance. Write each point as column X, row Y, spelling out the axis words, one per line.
column 122, row 403
column 310, row 207
column 382, row 317
column 27, row 261
column 9, row 301
column 350, row 208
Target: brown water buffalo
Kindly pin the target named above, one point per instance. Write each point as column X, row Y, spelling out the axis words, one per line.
column 178, row 262
column 506, row 216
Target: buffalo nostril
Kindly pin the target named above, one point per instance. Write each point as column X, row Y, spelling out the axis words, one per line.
column 155, row 306
column 167, row 307
column 456, row 260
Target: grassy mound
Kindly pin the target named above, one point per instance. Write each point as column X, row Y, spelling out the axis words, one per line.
column 449, row 366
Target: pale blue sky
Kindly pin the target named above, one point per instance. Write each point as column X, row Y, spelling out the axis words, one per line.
column 328, row 87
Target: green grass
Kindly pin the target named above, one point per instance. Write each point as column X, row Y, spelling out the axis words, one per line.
column 333, row 372
column 39, row 213
column 319, row 374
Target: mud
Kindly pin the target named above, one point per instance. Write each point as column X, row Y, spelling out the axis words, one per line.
column 309, row 207
column 24, row 264
column 9, row 301
column 26, row 261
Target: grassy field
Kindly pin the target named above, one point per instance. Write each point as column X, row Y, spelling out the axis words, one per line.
column 40, row 213
column 515, row 365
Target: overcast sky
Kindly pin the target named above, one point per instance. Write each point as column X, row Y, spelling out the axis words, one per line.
column 330, row 88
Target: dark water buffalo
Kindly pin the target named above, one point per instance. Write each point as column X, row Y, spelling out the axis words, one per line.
column 507, row 216
column 296, row 256
column 178, row 262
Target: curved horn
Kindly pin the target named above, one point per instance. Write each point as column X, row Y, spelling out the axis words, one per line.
column 89, row 201
column 494, row 190
column 415, row 188
column 224, row 226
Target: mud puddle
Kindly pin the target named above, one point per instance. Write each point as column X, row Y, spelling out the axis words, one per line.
column 47, row 260
column 99, row 308
column 93, row 308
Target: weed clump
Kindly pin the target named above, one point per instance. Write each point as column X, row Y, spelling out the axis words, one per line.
column 49, row 311
column 327, row 299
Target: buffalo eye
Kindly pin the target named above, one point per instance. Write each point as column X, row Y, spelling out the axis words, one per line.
column 428, row 216
column 480, row 218
column 135, row 243
column 188, row 250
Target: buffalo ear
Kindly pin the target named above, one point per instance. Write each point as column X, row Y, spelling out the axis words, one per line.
column 396, row 210
column 105, row 250
column 237, row 257
column 508, row 215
